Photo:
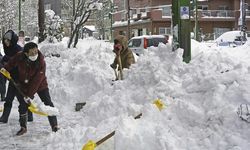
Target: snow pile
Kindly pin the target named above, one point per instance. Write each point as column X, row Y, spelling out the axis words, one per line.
column 201, row 98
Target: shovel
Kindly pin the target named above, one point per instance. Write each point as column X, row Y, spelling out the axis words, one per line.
column 91, row 145
column 31, row 105
column 120, row 67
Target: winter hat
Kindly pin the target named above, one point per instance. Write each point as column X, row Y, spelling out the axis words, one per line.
column 8, row 36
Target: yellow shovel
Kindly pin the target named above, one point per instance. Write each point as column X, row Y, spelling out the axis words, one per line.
column 91, row 145
column 32, row 107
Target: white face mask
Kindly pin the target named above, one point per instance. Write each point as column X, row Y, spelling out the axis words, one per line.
column 33, row 58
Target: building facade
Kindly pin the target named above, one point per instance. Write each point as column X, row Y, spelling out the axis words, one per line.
column 154, row 17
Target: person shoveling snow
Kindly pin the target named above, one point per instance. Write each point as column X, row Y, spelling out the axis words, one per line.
column 31, row 79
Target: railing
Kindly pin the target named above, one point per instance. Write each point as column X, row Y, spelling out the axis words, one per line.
column 217, row 13
column 248, row 13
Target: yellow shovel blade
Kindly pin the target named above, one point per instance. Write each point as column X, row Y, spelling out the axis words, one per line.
column 159, row 104
column 35, row 110
column 5, row 73
column 90, row 145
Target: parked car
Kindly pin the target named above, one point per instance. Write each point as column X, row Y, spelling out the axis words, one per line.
column 139, row 43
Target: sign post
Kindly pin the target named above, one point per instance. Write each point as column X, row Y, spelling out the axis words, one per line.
column 181, row 23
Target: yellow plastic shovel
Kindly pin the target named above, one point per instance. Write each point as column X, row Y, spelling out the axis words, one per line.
column 32, row 107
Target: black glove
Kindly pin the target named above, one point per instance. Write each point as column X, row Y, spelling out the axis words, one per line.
column 114, row 66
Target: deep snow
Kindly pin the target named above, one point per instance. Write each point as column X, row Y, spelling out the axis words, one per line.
column 201, row 99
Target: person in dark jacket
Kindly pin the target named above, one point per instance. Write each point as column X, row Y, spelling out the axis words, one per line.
column 11, row 48
column 2, row 83
column 31, row 80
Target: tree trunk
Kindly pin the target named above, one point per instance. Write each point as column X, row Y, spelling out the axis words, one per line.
column 71, row 38
column 41, row 19
column 76, row 38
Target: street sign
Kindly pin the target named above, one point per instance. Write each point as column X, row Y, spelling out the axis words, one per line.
column 184, row 12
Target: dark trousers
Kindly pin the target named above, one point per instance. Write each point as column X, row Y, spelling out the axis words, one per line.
column 11, row 93
column 2, row 86
column 46, row 99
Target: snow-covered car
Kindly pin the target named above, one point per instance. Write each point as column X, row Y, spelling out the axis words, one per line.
column 139, row 43
column 231, row 39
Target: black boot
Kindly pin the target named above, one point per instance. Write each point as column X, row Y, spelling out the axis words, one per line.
column 2, row 97
column 5, row 116
column 30, row 116
column 23, row 123
column 53, row 123
column 21, row 131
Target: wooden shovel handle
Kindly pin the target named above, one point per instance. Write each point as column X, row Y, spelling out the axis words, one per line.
column 113, row 133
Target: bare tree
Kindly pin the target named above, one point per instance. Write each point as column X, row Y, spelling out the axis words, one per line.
column 102, row 17
column 84, row 8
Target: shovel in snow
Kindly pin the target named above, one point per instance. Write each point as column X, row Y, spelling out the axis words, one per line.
column 120, row 67
column 31, row 106
column 91, row 145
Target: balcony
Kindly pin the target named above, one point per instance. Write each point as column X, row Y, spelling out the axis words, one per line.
column 217, row 13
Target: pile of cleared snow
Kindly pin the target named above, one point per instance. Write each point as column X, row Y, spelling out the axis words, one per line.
column 200, row 97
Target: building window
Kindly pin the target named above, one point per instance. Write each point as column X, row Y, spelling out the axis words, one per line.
column 47, row 6
column 202, row 7
column 164, row 31
column 166, row 11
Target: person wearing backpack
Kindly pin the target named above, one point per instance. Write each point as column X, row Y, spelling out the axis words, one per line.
column 11, row 48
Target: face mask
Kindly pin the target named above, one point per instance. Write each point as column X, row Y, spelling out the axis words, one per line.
column 33, row 58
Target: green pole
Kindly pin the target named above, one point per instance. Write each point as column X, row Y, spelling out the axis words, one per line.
column 175, row 24
column 196, row 21
column 19, row 23
column 184, row 30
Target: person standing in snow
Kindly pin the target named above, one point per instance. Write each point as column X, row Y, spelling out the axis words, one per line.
column 121, row 50
column 31, row 79
column 2, row 83
column 10, row 47
column 21, row 38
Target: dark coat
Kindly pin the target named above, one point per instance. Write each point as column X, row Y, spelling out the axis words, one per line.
column 11, row 51
column 31, row 75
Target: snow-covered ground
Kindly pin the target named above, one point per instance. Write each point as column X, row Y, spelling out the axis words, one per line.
column 201, row 99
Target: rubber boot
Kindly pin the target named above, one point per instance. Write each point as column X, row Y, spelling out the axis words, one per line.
column 30, row 116
column 23, row 123
column 5, row 116
column 53, row 123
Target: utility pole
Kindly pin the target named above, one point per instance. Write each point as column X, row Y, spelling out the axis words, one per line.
column 196, row 20
column 41, row 19
column 175, row 25
column 111, row 20
column 181, row 25
column 128, row 15
column 19, row 15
